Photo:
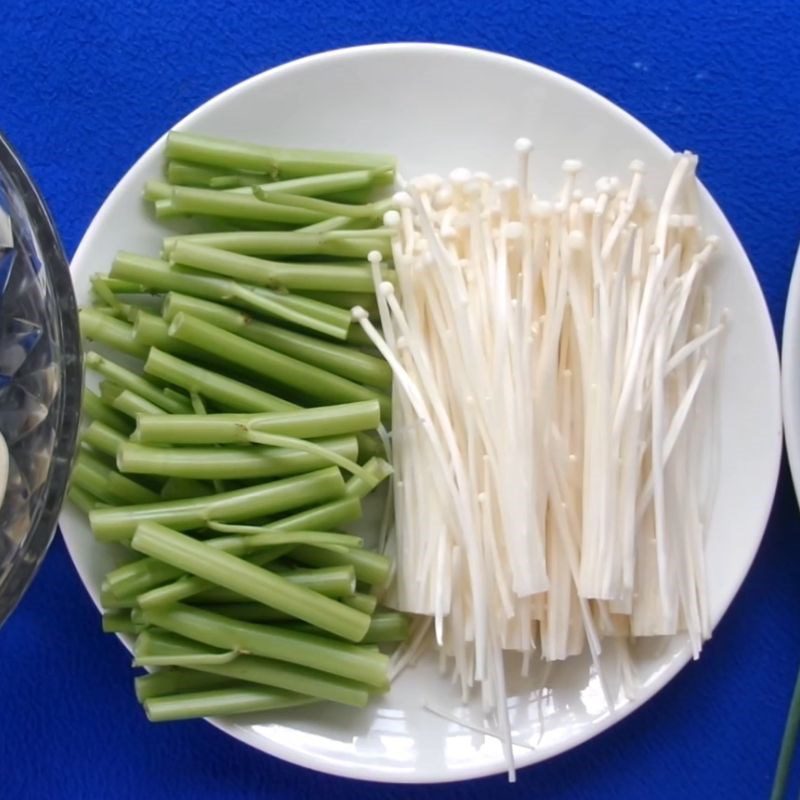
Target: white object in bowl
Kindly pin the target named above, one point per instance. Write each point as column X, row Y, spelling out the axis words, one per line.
column 439, row 107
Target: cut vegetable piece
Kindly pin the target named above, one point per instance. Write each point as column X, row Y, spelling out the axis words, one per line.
column 103, row 439
column 249, row 580
column 237, row 699
column 291, row 276
column 151, row 331
column 363, row 602
column 327, row 207
column 322, row 517
column 129, row 580
column 384, row 627
column 112, row 332
column 270, row 641
column 133, row 404
column 220, row 389
column 161, row 276
column 212, row 203
column 339, row 359
column 98, row 410
column 311, row 423
column 83, row 499
column 176, row 681
column 114, row 524
column 253, row 537
column 263, row 671
column 331, row 582
column 331, row 456
column 379, row 470
column 134, row 383
column 119, row 622
column 223, row 462
column 295, row 243
column 277, row 367
column 279, row 161
column 91, row 475
column 129, row 491
column 187, row 174
column 372, row 568
column 320, row 185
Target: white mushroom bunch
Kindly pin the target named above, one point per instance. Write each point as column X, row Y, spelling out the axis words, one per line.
column 554, row 418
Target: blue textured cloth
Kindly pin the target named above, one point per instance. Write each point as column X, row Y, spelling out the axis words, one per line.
column 86, row 86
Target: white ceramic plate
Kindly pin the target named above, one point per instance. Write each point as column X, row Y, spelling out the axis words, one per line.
column 438, row 107
column 790, row 374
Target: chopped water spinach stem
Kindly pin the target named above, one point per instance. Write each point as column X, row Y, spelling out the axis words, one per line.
column 235, row 424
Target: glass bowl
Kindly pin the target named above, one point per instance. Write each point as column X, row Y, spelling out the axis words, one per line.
column 40, row 378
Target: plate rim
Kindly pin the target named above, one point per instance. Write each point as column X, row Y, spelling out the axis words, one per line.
column 790, row 374
column 366, row 771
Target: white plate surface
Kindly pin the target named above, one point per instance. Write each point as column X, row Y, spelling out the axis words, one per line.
column 790, row 374
column 438, row 107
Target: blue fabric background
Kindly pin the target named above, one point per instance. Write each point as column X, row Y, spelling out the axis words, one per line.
column 86, row 86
